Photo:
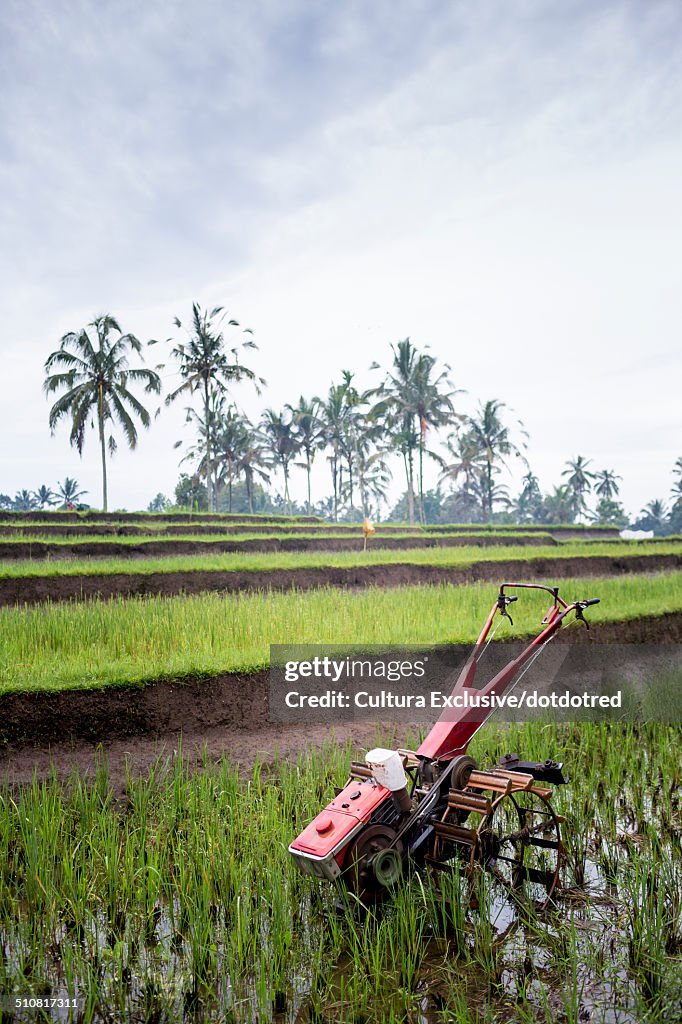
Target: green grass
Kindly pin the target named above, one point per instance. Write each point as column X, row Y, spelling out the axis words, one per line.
column 239, row 538
column 179, row 902
column 281, row 526
column 457, row 557
column 164, row 530
column 159, row 520
column 137, row 640
column 530, row 527
column 94, row 516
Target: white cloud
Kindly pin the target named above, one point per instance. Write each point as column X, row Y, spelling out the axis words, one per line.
column 499, row 181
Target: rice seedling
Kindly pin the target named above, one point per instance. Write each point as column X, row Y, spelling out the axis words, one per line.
column 457, row 557
column 179, row 900
column 273, row 534
column 133, row 641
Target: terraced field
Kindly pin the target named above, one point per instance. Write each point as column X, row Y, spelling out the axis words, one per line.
column 46, row 560
column 138, row 640
column 77, row 579
column 157, row 521
column 157, row 889
column 151, row 908
column 121, row 621
column 132, row 547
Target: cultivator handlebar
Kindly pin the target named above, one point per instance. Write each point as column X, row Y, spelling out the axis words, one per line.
column 433, row 805
column 452, row 733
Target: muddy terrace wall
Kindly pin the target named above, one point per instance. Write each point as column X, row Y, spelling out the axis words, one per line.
column 149, row 517
column 34, row 589
column 121, row 519
column 239, row 702
column 206, row 529
column 107, row 549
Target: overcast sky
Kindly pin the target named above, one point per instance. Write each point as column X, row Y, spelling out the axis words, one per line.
column 498, row 180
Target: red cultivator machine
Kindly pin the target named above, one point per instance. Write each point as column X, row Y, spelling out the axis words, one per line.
column 434, row 806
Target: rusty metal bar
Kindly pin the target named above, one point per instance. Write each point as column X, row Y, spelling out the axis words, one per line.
column 469, row 802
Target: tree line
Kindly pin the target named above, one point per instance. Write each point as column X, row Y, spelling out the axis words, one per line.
column 67, row 495
column 410, row 417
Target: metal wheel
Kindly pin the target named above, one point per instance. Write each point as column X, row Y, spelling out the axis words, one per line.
column 461, row 769
column 519, row 847
column 372, row 869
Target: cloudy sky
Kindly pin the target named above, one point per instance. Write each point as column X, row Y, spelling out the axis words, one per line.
column 498, row 180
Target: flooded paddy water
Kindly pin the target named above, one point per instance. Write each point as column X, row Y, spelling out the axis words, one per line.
column 179, row 901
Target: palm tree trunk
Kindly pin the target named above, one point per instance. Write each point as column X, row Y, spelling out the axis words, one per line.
column 307, row 459
column 489, row 487
column 422, row 520
column 209, row 479
column 410, row 487
column 249, row 488
column 335, row 486
column 287, row 503
column 100, row 423
column 410, row 514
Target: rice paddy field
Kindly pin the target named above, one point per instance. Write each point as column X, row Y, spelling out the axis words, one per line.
column 264, row 561
column 180, row 902
column 121, row 642
column 167, row 893
column 158, row 521
column 49, row 546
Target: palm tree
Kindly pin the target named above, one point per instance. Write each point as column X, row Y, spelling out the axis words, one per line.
column 309, row 432
column 677, row 485
column 373, row 474
column 332, row 411
column 529, row 501
column 190, row 493
column 283, row 444
column 159, row 503
column 492, row 438
column 608, row 513
column 654, row 516
column 462, row 506
column 559, row 507
column 24, row 501
column 253, row 460
column 353, row 425
column 96, row 378
column 411, row 400
column 232, row 438
column 466, row 459
column 374, row 478
column 432, row 406
column 205, row 443
column 675, row 516
column 607, row 484
column 396, row 409
column 45, row 496
column 579, row 481
column 205, row 366
column 69, row 491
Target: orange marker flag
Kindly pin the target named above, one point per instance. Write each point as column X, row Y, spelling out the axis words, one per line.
column 367, row 530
